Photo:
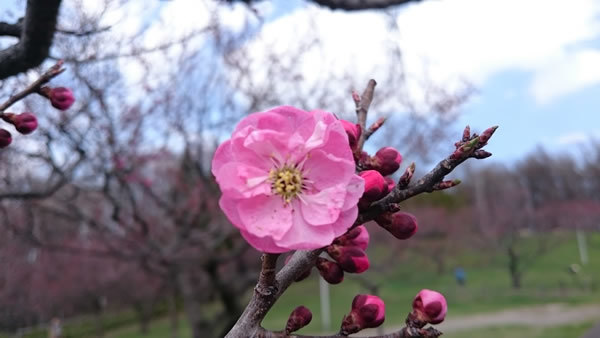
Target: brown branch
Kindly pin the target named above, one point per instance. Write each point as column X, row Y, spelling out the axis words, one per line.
column 406, row 332
column 362, row 108
column 357, row 5
column 35, row 40
column 34, row 87
column 11, row 29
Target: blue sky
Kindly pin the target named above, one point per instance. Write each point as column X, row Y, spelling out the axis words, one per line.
column 534, row 63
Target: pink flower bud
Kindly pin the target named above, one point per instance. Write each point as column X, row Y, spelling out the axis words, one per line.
column 400, row 224
column 358, row 236
column 5, row 138
column 299, row 318
column 304, row 275
column 61, row 98
column 430, row 306
column 351, row 258
column 367, row 312
column 375, row 187
column 330, row 271
column 390, row 183
column 486, row 135
column 387, row 160
column 353, row 130
column 25, row 123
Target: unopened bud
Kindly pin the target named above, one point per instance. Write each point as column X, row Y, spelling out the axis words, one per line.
column 5, row 138
column 464, row 150
column 446, row 184
column 390, row 183
column 304, row 275
column 481, row 154
column 400, row 224
column 430, row 307
column 24, row 123
column 353, row 130
column 60, row 97
column 407, row 176
column 331, row 272
column 387, row 160
column 466, row 134
column 358, row 236
column 367, row 312
column 375, row 187
column 351, row 258
column 356, row 97
column 299, row 318
column 486, row 135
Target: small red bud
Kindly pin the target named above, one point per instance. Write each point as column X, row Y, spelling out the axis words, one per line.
column 5, row 138
column 304, row 275
column 353, row 130
column 466, row 134
column 375, row 187
column 387, row 160
column 61, row 98
column 331, row 272
column 358, row 236
column 390, row 183
column 299, row 318
column 351, row 258
column 430, row 307
column 367, row 312
column 486, row 135
column 400, row 224
column 25, row 123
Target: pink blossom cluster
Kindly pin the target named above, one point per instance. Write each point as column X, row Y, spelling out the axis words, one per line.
column 292, row 179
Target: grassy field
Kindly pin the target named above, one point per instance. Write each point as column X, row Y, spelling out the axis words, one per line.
column 567, row 331
column 547, row 280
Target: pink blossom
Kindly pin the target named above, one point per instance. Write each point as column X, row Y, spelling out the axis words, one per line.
column 287, row 179
column 368, row 311
column 375, row 187
column 430, row 306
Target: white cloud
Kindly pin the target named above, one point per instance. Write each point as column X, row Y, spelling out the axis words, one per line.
column 568, row 74
column 577, row 138
column 449, row 41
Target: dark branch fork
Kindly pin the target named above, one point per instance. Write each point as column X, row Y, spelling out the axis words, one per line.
column 268, row 290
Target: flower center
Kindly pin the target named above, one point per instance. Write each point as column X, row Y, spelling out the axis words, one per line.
column 286, row 181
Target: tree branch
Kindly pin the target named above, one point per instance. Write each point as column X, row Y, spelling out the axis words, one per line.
column 406, row 332
column 356, row 5
column 36, row 36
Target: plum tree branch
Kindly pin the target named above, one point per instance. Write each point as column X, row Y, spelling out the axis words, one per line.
column 348, row 5
column 37, row 32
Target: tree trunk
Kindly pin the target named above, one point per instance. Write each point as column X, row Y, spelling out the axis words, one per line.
column 195, row 292
column 173, row 315
column 513, row 268
column 143, row 313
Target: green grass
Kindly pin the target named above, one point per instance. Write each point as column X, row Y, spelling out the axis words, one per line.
column 488, row 287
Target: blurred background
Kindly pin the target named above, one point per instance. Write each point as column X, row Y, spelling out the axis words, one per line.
column 109, row 223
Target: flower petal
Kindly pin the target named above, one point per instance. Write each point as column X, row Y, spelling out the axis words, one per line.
column 265, row 216
column 323, row 207
column 302, row 236
column 325, row 170
column 242, row 180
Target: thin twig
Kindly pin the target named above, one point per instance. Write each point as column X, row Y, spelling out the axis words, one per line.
column 34, row 87
column 362, row 108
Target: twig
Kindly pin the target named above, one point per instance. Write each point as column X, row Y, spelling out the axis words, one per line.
column 405, row 332
column 362, row 107
column 34, row 87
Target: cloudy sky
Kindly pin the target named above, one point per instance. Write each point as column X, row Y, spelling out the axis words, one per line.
column 535, row 63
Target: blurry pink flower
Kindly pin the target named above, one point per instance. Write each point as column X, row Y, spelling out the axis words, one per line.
column 367, row 312
column 430, row 306
column 287, row 179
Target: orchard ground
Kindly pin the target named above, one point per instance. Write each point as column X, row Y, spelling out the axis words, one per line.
column 547, row 282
